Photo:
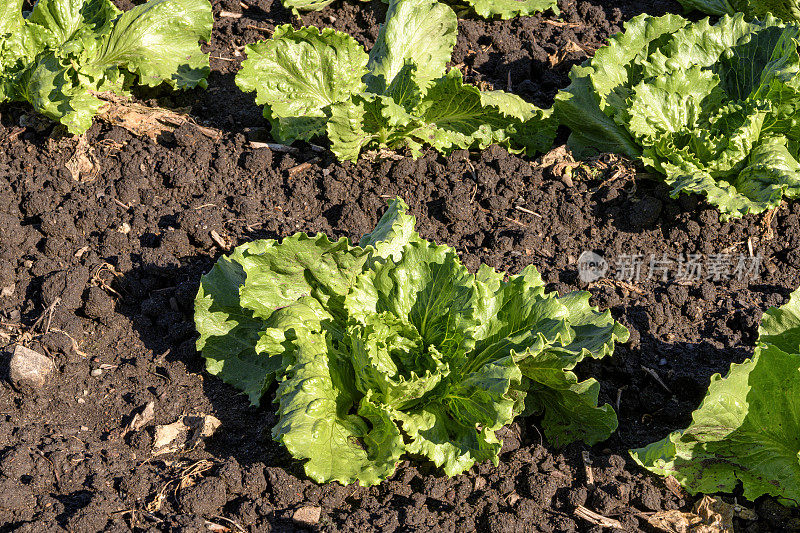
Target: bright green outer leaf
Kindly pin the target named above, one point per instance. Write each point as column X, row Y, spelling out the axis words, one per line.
column 158, row 41
column 301, row 266
column 10, row 16
column 73, row 19
column 591, row 130
column 746, row 430
column 316, row 425
column 569, row 407
column 298, row 74
column 506, row 9
column 52, row 90
column 228, row 331
column 394, row 231
column 536, row 129
column 518, row 320
column 594, row 333
column 454, row 116
column 780, row 326
column 422, row 31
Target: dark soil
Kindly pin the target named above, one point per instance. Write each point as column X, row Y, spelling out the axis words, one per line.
column 113, row 264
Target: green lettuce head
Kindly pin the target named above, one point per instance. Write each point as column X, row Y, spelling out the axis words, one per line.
column 711, row 107
column 393, row 347
column 65, row 51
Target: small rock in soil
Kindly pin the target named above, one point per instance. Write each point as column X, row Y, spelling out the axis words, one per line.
column 29, row 369
column 308, row 515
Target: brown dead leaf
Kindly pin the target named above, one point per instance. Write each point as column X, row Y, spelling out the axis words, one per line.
column 561, row 54
column 143, row 417
column 146, row 121
column 710, row 515
column 82, row 165
column 184, row 433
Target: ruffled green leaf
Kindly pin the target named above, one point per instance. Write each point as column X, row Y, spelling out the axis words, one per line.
column 316, row 425
column 421, row 31
column 394, row 231
column 506, row 9
column 787, row 10
column 299, row 74
column 594, row 333
column 158, row 41
column 569, row 407
column 459, row 429
column 60, row 21
column 429, row 288
column 228, row 331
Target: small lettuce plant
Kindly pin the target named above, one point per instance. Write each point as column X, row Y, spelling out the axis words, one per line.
column 64, row 52
column 714, row 108
column 747, row 430
column 321, row 83
column 391, row 347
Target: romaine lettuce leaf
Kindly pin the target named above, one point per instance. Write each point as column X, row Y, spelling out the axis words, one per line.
column 711, row 107
column 393, row 347
column 747, row 430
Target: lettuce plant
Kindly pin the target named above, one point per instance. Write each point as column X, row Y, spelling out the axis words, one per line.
column 711, row 107
column 64, row 51
column 748, row 427
column 503, row 9
column 788, row 10
column 317, row 83
column 393, row 347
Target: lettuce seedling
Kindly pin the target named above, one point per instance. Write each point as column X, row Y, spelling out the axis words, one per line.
column 65, row 51
column 711, row 107
column 748, row 427
column 503, row 9
column 317, row 83
column 787, row 10
column 392, row 347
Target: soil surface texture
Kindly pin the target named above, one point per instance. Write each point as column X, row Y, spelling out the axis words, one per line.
column 99, row 274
